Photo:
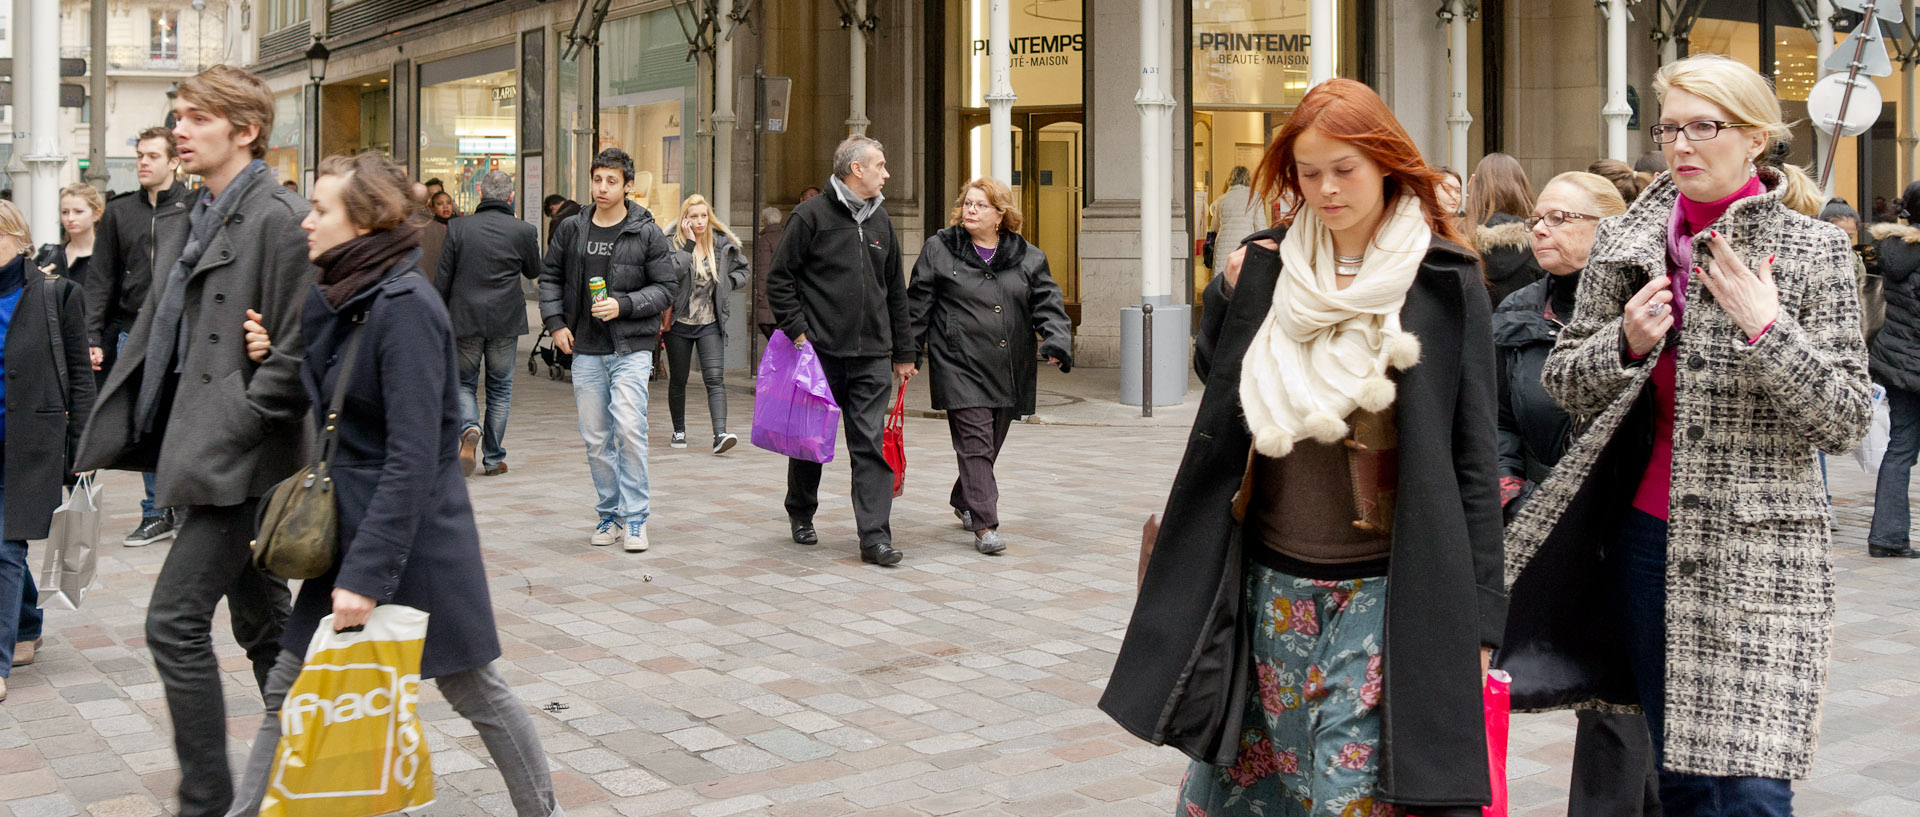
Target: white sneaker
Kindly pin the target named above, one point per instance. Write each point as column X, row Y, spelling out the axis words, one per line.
column 606, row 534
column 636, row 537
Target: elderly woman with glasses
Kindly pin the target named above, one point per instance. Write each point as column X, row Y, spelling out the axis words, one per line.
column 1678, row 558
column 985, row 309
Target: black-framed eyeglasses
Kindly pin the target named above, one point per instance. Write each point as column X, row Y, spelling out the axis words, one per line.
column 1700, row 131
column 1555, row 218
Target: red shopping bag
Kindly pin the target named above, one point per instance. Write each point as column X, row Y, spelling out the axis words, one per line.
column 893, row 443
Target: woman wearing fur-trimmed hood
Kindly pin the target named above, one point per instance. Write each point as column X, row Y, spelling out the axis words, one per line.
column 1498, row 200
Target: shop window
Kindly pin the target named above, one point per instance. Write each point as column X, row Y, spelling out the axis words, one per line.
column 647, row 95
column 283, row 142
column 469, row 121
column 164, row 42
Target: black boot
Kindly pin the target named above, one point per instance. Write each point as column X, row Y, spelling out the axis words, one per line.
column 1884, row 552
column 803, row 532
column 881, row 554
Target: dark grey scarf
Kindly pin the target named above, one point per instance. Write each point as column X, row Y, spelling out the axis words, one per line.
column 166, row 341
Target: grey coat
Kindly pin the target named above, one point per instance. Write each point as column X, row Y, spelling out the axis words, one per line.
column 480, row 267
column 730, row 273
column 1750, row 575
column 237, row 426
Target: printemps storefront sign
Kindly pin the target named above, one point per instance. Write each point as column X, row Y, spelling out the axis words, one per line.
column 1046, row 55
column 1250, row 52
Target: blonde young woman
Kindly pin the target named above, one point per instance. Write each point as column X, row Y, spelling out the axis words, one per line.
column 1715, row 345
column 711, row 265
column 80, row 209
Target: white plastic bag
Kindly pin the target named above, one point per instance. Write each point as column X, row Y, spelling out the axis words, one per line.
column 1874, row 447
column 73, row 542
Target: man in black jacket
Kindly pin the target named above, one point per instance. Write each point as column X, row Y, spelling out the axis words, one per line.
column 611, row 335
column 485, row 256
column 134, row 223
column 837, row 281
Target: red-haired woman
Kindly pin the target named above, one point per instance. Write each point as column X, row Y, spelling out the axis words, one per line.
column 1329, row 560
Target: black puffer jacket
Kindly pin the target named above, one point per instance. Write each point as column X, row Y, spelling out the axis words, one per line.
column 978, row 320
column 1506, row 253
column 1894, row 357
column 1534, row 430
column 643, row 275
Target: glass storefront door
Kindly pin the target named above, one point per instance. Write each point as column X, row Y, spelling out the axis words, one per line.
column 647, row 96
column 468, row 121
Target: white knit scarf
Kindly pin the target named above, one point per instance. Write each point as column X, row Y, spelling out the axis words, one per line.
column 1324, row 351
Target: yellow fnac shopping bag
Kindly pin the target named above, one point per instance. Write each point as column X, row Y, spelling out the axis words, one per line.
column 350, row 744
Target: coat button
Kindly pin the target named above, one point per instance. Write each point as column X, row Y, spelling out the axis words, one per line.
column 996, row 309
column 989, row 276
column 238, row 217
column 219, row 298
column 1003, row 344
column 1696, row 433
column 225, row 255
column 206, row 378
column 1690, row 501
column 1689, row 567
column 1696, row 363
column 213, row 338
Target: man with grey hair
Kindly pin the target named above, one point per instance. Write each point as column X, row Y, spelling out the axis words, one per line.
column 484, row 257
column 837, row 282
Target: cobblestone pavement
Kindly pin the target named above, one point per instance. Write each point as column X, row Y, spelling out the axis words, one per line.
column 731, row 672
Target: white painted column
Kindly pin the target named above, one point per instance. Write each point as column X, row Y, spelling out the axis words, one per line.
column 1909, row 137
column 1822, row 49
column 22, row 114
column 1156, row 105
column 1459, row 120
column 857, row 121
column 1320, row 43
column 1617, row 112
column 1000, row 95
column 43, row 125
column 723, row 119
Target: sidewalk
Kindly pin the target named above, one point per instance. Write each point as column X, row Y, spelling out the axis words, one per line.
column 1086, row 397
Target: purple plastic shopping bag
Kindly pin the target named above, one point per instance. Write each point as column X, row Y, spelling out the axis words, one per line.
column 793, row 409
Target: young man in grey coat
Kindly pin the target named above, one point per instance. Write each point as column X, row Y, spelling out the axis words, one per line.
column 217, row 429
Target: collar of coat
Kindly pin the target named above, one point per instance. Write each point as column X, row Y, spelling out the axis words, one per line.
column 495, row 204
column 1502, row 232
column 959, row 242
column 1638, row 237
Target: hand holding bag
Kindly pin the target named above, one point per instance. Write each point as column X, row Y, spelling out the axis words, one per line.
column 794, row 413
column 1873, row 449
column 299, row 524
column 893, row 440
column 72, row 548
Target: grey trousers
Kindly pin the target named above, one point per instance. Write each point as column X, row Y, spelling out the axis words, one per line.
column 479, row 695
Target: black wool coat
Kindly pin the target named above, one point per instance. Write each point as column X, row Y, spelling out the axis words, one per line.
column 1183, row 672
column 482, row 261
column 407, row 534
column 978, row 321
column 1894, row 356
column 44, row 414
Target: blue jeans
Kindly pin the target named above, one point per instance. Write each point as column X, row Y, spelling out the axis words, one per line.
column 1892, row 519
column 146, row 477
column 20, row 616
column 610, row 392
column 498, row 355
column 1639, row 570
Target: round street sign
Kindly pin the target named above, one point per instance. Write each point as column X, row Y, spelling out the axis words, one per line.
column 1863, row 109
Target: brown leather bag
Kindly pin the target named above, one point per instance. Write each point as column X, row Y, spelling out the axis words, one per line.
column 1149, row 534
column 299, row 526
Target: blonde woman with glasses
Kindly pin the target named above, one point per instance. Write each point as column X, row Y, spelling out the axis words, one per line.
column 1714, row 348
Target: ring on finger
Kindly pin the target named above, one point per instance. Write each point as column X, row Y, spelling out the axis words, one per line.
column 1655, row 310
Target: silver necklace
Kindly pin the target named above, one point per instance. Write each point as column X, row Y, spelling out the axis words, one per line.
column 1348, row 265
column 992, row 251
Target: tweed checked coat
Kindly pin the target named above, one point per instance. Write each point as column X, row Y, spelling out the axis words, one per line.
column 1749, row 570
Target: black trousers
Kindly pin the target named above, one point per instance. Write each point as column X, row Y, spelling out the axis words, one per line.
column 680, row 350
column 861, row 385
column 978, row 435
column 208, row 560
column 1613, row 770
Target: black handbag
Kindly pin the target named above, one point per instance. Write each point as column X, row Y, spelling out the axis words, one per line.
column 299, row 523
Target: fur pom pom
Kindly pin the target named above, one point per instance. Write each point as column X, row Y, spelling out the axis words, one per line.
column 1403, row 350
column 1323, row 426
column 1272, row 442
column 1376, row 393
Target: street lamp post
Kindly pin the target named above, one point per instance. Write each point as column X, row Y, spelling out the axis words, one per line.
column 317, row 71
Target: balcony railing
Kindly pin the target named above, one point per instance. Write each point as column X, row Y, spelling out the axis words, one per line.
column 187, row 58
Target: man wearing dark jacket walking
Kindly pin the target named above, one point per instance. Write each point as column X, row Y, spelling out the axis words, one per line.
column 481, row 264
column 218, row 429
column 611, row 334
column 134, row 224
column 837, row 281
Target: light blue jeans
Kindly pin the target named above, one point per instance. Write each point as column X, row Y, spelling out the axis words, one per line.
column 611, row 393
column 496, row 356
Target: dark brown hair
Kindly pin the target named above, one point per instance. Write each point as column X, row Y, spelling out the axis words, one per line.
column 236, row 95
column 1351, row 112
column 1625, row 179
column 163, row 133
column 376, row 193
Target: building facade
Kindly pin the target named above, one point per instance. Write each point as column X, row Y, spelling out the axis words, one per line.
column 458, row 87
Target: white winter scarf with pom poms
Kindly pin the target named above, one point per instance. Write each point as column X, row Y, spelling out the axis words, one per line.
column 1324, row 351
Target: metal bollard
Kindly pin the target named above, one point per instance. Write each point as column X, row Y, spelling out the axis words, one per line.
column 1146, row 360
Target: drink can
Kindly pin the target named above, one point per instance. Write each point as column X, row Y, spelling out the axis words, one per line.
column 597, row 288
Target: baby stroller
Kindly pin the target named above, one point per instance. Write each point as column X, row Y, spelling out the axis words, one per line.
column 558, row 362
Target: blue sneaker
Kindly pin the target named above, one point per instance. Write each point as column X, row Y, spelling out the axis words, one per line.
column 636, row 537
column 606, row 534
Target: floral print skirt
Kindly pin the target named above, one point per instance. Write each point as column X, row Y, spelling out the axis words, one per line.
column 1309, row 745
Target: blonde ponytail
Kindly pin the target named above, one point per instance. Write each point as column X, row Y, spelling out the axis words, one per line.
column 1799, row 192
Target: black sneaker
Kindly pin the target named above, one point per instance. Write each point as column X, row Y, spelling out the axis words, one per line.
column 678, row 440
column 152, row 529
column 724, row 442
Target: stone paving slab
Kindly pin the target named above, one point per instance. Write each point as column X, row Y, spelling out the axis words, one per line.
column 729, row 671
